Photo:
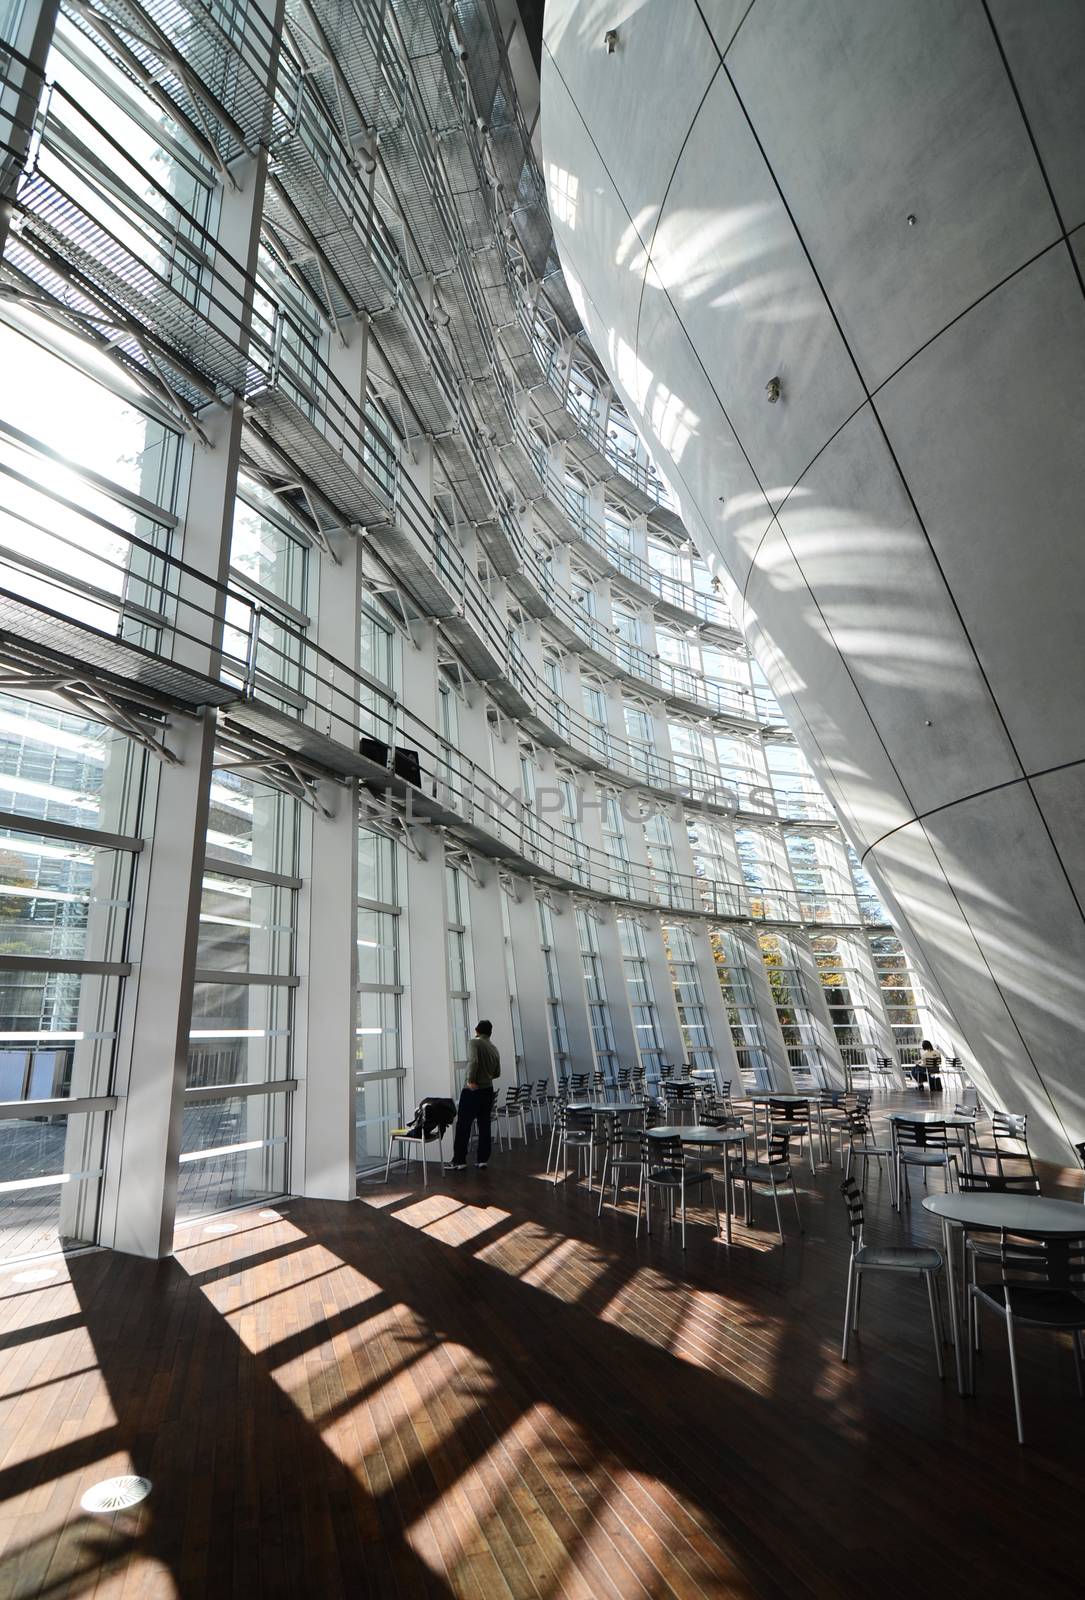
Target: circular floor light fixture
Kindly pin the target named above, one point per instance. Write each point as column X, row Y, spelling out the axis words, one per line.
column 115, row 1494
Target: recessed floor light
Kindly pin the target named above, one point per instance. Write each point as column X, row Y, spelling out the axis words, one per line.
column 38, row 1275
column 221, row 1227
column 268, row 1216
column 115, row 1494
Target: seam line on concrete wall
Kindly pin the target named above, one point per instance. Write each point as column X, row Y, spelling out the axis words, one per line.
column 735, row 31
column 1034, row 143
column 963, row 800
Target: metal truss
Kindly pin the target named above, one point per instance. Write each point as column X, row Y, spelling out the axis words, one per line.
column 21, row 670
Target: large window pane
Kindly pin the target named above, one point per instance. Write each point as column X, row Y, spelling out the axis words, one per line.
column 232, row 1151
column 240, row 1033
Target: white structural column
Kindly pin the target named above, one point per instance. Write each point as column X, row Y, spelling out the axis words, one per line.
column 523, row 923
column 139, row 1197
column 812, row 243
column 323, row 1133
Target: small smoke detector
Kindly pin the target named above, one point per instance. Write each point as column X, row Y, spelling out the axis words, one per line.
column 115, row 1494
column 610, row 40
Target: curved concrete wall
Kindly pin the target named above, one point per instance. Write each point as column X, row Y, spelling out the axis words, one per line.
column 876, row 204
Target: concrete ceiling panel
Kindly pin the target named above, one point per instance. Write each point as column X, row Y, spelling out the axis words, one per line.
column 1007, row 877
column 869, row 112
column 640, row 153
column 789, row 638
column 683, row 421
column 741, row 283
column 988, row 424
column 864, row 555
column 1045, row 49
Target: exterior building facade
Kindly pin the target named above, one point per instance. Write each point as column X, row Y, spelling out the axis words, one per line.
column 358, row 676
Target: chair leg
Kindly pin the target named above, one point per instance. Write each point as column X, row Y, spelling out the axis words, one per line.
column 1077, row 1340
column 847, row 1308
column 856, row 1301
column 602, row 1183
column 776, row 1203
column 970, row 1344
column 640, row 1200
column 683, row 1210
column 388, row 1163
column 1014, row 1379
column 935, row 1325
column 795, row 1197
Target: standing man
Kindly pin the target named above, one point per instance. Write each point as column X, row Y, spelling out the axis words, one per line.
column 477, row 1097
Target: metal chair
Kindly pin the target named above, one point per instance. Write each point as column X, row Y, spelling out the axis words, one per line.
column 663, row 1167
column 621, row 1149
column 770, row 1173
column 988, row 1247
column 1041, row 1285
column 793, row 1118
column 575, row 1130
column 402, row 1136
column 861, row 1144
column 884, row 1258
column 514, row 1106
column 600, row 1086
column 1009, row 1140
column 540, row 1103
column 924, row 1145
column 679, row 1099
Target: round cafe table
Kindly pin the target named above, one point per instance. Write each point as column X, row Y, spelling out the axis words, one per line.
column 1017, row 1213
column 709, row 1139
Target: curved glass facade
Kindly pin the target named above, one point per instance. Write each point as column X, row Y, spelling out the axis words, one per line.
column 358, row 676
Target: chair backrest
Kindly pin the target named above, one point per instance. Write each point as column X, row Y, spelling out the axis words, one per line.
column 789, row 1111
column 1010, row 1126
column 578, row 1081
column 652, row 1113
column 573, row 1121
column 998, row 1183
column 777, row 1149
column 625, row 1074
column 864, row 1100
column 667, row 1153
column 853, row 1201
column 542, row 1087
column 965, row 1111
column 1043, row 1262
column 922, row 1135
column 666, row 1069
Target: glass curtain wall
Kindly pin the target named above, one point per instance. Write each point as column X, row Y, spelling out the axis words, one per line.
column 71, row 800
column 595, row 990
column 379, row 1072
column 642, row 1005
column 460, row 970
column 743, row 1016
column 689, row 996
column 239, row 1082
column 555, row 1010
column 792, row 1003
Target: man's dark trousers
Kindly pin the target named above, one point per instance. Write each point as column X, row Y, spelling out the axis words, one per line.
column 476, row 1105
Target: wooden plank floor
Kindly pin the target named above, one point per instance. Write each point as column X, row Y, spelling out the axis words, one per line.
column 484, row 1391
